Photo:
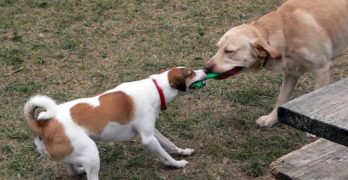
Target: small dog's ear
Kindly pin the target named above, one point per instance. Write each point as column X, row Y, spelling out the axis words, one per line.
column 177, row 80
column 262, row 49
column 163, row 70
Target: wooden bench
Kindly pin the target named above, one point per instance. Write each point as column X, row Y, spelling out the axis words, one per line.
column 324, row 113
column 321, row 159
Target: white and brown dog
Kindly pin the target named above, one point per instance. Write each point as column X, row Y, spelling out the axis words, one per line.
column 65, row 131
column 300, row 36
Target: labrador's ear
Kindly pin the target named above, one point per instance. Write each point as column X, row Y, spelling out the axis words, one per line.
column 263, row 49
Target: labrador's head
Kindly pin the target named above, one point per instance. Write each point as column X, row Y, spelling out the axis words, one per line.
column 240, row 48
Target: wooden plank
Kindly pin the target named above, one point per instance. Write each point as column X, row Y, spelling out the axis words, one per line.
column 323, row 112
column 320, row 160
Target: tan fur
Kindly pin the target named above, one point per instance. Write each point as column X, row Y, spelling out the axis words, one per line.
column 114, row 107
column 36, row 126
column 55, row 140
column 177, row 77
column 67, row 131
column 300, row 36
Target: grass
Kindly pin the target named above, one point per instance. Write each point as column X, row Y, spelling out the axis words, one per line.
column 72, row 49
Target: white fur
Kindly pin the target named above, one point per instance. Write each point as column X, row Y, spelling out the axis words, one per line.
column 41, row 101
column 147, row 108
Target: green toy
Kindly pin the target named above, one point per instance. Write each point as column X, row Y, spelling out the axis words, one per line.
column 201, row 83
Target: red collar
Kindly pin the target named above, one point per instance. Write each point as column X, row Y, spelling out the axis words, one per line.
column 161, row 94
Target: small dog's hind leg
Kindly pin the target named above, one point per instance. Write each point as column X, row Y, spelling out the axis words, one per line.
column 88, row 157
column 75, row 169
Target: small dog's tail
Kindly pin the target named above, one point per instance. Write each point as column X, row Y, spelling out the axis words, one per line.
column 39, row 101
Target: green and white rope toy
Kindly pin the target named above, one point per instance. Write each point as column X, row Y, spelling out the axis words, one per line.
column 201, row 83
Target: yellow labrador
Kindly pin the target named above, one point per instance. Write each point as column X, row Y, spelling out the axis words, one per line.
column 300, row 36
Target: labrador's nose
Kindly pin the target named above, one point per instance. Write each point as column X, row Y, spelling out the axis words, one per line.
column 209, row 67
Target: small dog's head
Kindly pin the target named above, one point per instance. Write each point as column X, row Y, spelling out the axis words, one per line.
column 181, row 78
column 240, row 47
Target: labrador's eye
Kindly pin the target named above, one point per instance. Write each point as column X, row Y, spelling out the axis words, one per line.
column 228, row 51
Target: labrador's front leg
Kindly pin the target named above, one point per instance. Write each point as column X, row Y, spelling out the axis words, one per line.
column 288, row 85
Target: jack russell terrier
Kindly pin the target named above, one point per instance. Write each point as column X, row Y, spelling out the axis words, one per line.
column 65, row 131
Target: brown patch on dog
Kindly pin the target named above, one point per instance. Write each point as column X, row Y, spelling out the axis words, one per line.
column 177, row 77
column 51, row 131
column 55, row 140
column 36, row 126
column 115, row 107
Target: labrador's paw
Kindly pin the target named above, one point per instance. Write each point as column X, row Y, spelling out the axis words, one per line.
column 267, row 121
column 309, row 135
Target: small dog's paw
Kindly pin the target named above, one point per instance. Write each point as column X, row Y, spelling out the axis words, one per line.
column 186, row 152
column 76, row 170
column 177, row 164
column 267, row 121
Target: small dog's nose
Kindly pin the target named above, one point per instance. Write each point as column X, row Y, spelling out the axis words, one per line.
column 209, row 67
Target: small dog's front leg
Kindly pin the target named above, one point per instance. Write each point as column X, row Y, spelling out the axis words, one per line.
column 155, row 147
column 170, row 146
